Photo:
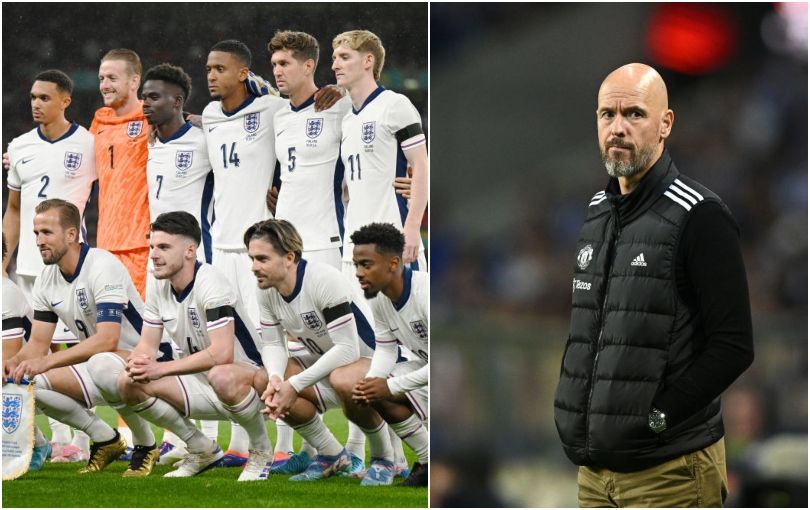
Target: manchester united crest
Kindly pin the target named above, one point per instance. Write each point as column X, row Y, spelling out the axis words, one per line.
column 585, row 256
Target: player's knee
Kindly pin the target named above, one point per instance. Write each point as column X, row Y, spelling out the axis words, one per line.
column 223, row 380
column 260, row 380
column 343, row 379
column 126, row 389
column 104, row 369
column 41, row 382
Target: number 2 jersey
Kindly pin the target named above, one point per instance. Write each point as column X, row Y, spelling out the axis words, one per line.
column 180, row 179
column 327, row 314
column 41, row 169
column 405, row 322
column 311, row 194
column 241, row 150
column 208, row 303
column 100, row 290
column 374, row 138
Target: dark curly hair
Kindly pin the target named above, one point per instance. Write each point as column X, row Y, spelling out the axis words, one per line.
column 385, row 236
column 170, row 74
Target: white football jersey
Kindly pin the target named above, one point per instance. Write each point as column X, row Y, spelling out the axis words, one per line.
column 17, row 313
column 84, row 300
column 311, row 194
column 41, row 169
column 180, row 179
column 185, row 317
column 242, row 152
column 318, row 287
column 374, row 138
column 407, row 320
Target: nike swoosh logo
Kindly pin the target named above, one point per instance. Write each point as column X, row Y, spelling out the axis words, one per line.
column 24, row 161
column 100, row 131
column 279, row 133
column 166, row 320
column 394, row 329
column 212, row 128
column 57, row 303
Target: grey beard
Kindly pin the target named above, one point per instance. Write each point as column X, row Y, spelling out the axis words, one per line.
column 628, row 169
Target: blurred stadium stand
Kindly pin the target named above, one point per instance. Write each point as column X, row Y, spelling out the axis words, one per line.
column 74, row 36
column 514, row 91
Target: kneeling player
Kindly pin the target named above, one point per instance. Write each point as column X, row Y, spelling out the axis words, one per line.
column 90, row 291
column 200, row 310
column 400, row 299
column 313, row 302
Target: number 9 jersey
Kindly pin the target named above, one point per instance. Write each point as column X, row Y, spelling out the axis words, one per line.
column 100, row 290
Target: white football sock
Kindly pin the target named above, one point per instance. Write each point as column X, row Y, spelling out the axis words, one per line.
column 39, row 439
column 415, row 435
column 396, row 446
column 60, row 433
column 81, row 440
column 316, row 433
column 307, row 448
column 239, row 438
column 164, row 415
column 246, row 414
column 379, row 444
column 356, row 443
column 210, row 428
column 67, row 410
column 284, row 437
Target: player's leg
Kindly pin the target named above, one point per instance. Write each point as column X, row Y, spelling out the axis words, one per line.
column 332, row 458
column 405, row 415
column 105, row 368
column 233, row 385
column 67, row 393
column 168, row 403
column 381, row 467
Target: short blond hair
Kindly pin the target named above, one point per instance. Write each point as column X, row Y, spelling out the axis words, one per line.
column 364, row 42
column 132, row 60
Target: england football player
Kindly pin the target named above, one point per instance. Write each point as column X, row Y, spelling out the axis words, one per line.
column 313, row 302
column 400, row 300
column 180, row 178
column 54, row 160
column 239, row 134
column 203, row 314
column 91, row 291
column 382, row 136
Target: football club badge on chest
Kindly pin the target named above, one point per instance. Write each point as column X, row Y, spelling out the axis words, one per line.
column 367, row 132
column 252, row 122
column 311, row 320
column 182, row 160
column 73, row 161
column 134, row 128
column 314, row 128
column 84, row 303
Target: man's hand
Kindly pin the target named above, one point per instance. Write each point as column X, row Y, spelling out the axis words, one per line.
column 6, row 161
column 196, row 120
column 143, row 369
column 273, row 385
column 371, row 389
column 30, row 367
column 282, row 401
column 9, row 366
column 413, row 240
column 402, row 186
column 327, row 96
column 272, row 199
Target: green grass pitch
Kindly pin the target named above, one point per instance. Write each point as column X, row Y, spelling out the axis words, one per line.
column 58, row 485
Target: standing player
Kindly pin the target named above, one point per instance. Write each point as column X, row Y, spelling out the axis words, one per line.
column 214, row 380
column 54, row 160
column 92, row 293
column 311, row 193
column 238, row 128
column 314, row 303
column 179, row 177
column 382, row 136
column 17, row 316
column 400, row 300
column 121, row 135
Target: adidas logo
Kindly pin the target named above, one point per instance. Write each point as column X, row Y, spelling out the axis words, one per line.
column 639, row 261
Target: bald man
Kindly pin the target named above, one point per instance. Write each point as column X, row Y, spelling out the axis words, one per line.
column 660, row 322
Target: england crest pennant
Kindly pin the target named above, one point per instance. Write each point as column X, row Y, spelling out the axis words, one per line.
column 18, row 428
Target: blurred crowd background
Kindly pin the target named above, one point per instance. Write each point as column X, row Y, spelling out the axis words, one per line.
column 74, row 36
column 515, row 163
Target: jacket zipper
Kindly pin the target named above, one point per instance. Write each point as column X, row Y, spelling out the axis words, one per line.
column 615, row 232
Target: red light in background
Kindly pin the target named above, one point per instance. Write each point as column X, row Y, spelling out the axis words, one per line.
column 691, row 38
